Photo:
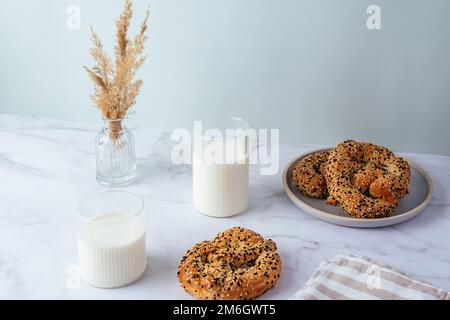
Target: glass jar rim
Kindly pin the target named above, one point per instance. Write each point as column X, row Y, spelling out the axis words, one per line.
column 125, row 218
column 244, row 125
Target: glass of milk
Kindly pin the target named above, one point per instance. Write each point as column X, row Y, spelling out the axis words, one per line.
column 111, row 239
column 220, row 166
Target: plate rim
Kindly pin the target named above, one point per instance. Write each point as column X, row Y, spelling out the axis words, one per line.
column 350, row 221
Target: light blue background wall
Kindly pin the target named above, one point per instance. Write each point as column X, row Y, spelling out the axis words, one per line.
column 308, row 67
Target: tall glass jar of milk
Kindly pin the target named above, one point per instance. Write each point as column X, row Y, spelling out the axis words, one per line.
column 111, row 239
column 220, row 165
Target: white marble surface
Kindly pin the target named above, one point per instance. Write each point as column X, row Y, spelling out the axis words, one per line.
column 46, row 166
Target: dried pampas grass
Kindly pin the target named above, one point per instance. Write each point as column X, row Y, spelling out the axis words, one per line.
column 115, row 89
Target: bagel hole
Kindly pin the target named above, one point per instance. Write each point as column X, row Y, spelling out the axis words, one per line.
column 248, row 265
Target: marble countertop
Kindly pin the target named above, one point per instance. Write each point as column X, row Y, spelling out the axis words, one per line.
column 47, row 166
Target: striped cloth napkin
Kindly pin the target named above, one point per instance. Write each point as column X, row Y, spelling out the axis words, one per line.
column 348, row 277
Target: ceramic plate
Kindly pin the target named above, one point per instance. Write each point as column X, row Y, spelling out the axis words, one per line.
column 420, row 192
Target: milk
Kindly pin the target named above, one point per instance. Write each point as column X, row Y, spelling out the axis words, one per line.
column 112, row 251
column 220, row 184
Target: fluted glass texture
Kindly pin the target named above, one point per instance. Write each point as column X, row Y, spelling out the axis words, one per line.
column 115, row 155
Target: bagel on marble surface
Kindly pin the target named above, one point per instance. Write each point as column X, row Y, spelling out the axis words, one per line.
column 237, row 264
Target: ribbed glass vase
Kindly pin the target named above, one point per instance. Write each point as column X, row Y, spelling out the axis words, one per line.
column 115, row 154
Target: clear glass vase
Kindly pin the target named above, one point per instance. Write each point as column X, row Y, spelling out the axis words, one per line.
column 115, row 154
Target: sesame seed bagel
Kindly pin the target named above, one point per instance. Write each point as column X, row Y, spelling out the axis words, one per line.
column 308, row 175
column 237, row 264
column 374, row 191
